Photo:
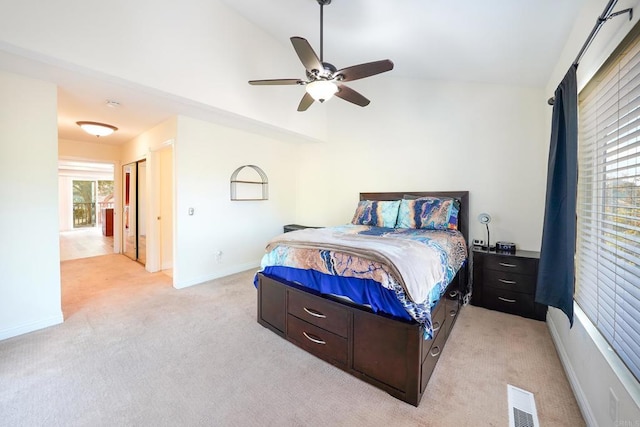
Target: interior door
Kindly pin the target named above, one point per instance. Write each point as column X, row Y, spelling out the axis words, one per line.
column 129, row 214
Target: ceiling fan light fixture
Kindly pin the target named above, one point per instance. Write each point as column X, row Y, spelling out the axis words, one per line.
column 321, row 90
column 97, row 129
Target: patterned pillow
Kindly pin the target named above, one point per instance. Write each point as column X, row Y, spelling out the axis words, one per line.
column 376, row 213
column 429, row 212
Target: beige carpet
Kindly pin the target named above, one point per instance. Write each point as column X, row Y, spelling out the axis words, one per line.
column 135, row 351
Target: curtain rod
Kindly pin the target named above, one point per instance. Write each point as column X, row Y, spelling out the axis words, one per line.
column 606, row 15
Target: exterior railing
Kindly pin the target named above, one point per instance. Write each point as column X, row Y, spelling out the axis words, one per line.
column 84, row 215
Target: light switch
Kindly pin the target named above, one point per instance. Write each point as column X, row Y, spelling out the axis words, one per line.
column 190, row 211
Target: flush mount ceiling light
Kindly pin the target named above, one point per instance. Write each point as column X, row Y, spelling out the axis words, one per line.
column 97, row 129
column 323, row 79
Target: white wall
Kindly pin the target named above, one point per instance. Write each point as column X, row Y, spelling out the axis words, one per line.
column 205, row 157
column 30, row 253
column 89, row 151
column 433, row 135
column 592, row 367
column 165, row 178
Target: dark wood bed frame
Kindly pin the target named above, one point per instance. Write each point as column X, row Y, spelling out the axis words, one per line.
column 387, row 352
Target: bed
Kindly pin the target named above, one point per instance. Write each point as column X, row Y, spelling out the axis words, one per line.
column 394, row 349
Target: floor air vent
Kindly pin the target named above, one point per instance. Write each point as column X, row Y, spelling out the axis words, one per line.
column 522, row 408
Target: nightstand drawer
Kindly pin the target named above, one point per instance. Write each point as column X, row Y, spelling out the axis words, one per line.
column 511, row 264
column 317, row 341
column 321, row 313
column 509, row 301
column 510, row 281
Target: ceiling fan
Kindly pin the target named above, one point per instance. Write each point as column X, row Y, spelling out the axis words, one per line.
column 323, row 79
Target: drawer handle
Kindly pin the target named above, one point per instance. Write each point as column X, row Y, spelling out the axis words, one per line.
column 313, row 339
column 506, row 300
column 508, row 282
column 436, row 327
column 452, row 313
column 435, row 351
column 504, row 264
column 314, row 313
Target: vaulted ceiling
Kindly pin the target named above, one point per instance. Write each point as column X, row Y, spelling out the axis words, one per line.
column 493, row 41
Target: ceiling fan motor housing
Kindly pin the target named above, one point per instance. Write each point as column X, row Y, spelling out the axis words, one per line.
column 326, row 74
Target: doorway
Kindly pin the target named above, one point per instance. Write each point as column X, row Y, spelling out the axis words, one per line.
column 134, row 224
column 85, row 194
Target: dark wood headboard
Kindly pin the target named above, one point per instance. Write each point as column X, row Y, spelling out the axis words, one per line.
column 462, row 196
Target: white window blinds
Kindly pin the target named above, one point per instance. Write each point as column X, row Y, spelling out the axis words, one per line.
column 608, row 210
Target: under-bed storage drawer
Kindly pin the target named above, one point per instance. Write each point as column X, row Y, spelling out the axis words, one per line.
column 438, row 322
column 318, row 341
column 318, row 311
column 452, row 307
column 431, row 359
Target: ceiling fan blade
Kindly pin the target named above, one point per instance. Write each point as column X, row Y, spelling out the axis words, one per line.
column 352, row 96
column 276, row 82
column 305, row 102
column 364, row 70
column 306, row 54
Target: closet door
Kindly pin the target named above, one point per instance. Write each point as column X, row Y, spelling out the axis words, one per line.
column 129, row 214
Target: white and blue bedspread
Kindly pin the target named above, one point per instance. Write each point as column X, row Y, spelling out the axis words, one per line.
column 414, row 265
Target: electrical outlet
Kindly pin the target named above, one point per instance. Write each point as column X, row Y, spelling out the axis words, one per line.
column 218, row 256
column 613, row 406
column 478, row 242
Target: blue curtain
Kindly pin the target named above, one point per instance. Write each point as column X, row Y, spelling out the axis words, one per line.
column 556, row 278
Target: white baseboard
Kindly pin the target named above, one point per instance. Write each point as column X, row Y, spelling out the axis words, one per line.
column 31, row 326
column 238, row 268
column 581, row 398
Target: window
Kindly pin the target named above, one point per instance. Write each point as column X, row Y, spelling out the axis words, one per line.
column 608, row 211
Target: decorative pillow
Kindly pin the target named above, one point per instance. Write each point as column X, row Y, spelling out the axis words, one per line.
column 376, row 213
column 429, row 212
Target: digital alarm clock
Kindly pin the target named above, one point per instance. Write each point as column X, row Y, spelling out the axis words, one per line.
column 505, row 247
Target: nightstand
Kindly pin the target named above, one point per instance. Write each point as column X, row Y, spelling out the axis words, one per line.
column 294, row 227
column 507, row 282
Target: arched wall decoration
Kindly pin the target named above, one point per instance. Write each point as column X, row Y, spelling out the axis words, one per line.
column 245, row 189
